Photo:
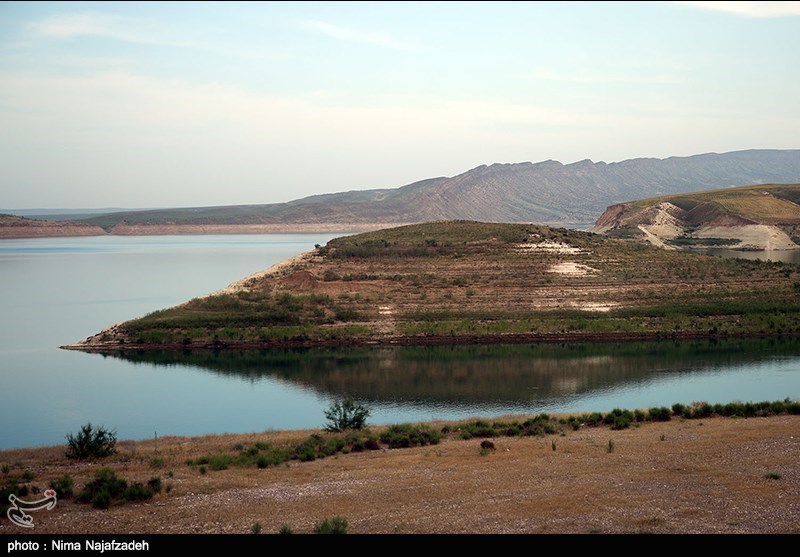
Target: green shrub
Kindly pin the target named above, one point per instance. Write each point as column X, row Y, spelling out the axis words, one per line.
column 63, row 486
column 773, row 476
column 704, row 410
column 137, row 492
column 408, row 435
column 335, row 525
column 105, row 487
column 621, row 422
column 593, row 419
column 220, row 461
column 101, row 500
column 659, row 414
column 91, row 442
column 256, row 528
column 478, row 428
column 346, row 414
column 154, row 484
column 285, row 530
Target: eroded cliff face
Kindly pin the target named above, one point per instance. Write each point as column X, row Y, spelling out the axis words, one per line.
column 748, row 218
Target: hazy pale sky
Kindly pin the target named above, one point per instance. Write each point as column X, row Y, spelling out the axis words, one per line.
column 155, row 104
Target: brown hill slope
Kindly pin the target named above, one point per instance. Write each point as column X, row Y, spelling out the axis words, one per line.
column 12, row 226
column 755, row 217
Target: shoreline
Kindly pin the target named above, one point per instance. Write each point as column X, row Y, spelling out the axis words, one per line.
column 708, row 475
column 101, row 347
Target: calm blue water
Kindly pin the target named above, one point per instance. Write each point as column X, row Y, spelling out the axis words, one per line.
column 57, row 291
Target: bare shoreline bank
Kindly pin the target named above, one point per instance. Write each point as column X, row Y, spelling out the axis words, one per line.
column 713, row 475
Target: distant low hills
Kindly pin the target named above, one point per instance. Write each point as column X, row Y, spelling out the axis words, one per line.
column 12, row 226
column 571, row 195
column 754, row 217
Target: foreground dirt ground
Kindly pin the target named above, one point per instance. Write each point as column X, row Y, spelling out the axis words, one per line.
column 719, row 475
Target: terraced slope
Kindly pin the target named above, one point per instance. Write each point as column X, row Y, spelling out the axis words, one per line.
column 462, row 281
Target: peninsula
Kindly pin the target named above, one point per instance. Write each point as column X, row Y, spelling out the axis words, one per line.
column 456, row 282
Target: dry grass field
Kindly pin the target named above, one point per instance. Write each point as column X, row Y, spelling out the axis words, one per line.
column 716, row 475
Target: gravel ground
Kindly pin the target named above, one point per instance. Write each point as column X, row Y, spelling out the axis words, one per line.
column 694, row 476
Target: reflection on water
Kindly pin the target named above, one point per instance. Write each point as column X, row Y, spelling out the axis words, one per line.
column 481, row 374
column 58, row 290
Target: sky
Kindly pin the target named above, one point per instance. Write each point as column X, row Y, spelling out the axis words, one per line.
column 160, row 104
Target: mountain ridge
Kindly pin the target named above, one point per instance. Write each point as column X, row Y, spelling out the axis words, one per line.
column 547, row 192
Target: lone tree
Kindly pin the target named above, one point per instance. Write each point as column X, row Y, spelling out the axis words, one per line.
column 91, row 442
column 346, row 414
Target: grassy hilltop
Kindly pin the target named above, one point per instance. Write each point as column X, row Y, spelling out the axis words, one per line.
column 461, row 281
column 751, row 217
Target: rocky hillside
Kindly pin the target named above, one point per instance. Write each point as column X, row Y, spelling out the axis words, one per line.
column 544, row 192
column 752, row 218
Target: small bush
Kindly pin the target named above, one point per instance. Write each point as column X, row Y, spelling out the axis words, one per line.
column 346, row 414
column 285, row 530
column 154, row 484
column 220, row 461
column 335, row 525
column 407, row 435
column 63, row 486
column 105, row 487
column 137, row 492
column 91, row 442
column 773, row 476
column 659, row 414
column 610, row 448
column 101, row 500
column 256, row 528
column 478, row 428
column 593, row 419
column 621, row 422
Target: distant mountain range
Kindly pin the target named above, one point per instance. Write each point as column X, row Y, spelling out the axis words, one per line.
column 545, row 192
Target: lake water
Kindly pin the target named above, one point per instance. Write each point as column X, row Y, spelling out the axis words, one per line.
column 59, row 290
